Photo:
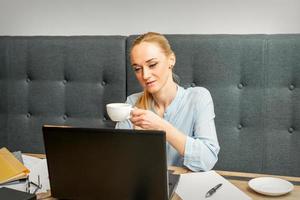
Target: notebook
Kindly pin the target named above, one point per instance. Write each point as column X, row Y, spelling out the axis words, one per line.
column 11, row 168
column 91, row 163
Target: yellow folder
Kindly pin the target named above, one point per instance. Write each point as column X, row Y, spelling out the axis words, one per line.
column 11, row 168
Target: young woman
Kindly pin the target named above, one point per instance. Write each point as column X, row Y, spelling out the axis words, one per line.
column 186, row 115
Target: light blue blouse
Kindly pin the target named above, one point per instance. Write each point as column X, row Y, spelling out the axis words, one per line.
column 192, row 113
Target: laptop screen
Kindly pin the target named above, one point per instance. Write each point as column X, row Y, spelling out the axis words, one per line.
column 106, row 163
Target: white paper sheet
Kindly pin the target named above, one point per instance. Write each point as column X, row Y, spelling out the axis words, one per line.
column 30, row 161
column 17, row 185
column 194, row 186
column 40, row 169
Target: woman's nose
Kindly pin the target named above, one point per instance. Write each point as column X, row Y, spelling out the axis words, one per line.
column 146, row 73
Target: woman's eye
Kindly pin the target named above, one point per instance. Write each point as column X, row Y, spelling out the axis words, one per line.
column 153, row 65
column 136, row 69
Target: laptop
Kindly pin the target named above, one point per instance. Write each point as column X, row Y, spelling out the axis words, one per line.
column 93, row 163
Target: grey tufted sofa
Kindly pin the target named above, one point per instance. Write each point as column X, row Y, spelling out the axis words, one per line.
column 254, row 81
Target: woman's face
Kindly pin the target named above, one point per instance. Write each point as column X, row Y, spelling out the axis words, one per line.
column 152, row 67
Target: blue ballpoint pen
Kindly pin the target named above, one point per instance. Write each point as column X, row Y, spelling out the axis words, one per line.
column 213, row 190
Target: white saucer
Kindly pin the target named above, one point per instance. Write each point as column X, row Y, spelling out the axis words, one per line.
column 270, row 186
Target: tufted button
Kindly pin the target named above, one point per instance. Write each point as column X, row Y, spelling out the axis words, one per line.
column 103, row 83
column 65, row 116
column 193, row 85
column 65, row 82
column 240, row 126
column 28, row 80
column 291, row 87
column 28, row 115
column 240, row 85
column 291, row 130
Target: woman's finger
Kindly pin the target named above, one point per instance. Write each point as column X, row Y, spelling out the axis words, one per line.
column 142, row 124
column 137, row 112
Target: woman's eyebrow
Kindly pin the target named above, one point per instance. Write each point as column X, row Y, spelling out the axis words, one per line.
column 136, row 65
column 150, row 60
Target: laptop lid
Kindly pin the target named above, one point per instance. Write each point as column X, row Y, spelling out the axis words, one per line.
column 97, row 163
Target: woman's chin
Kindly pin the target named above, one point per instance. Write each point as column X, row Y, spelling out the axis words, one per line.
column 152, row 90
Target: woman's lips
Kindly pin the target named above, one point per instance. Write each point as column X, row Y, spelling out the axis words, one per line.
column 150, row 83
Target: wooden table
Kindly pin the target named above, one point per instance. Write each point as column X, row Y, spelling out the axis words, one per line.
column 240, row 180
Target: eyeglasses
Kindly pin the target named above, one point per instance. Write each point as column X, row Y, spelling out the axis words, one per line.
column 37, row 186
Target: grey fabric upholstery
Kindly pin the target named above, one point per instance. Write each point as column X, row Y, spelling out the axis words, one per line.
column 57, row 80
column 254, row 81
column 282, row 105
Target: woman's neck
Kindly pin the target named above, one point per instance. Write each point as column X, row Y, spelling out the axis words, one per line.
column 165, row 96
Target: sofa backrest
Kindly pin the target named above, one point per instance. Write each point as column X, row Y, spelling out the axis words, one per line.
column 254, row 81
column 57, row 80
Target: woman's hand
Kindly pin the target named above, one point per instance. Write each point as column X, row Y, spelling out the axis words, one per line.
column 147, row 119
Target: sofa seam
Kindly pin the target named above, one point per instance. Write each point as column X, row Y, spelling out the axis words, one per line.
column 265, row 58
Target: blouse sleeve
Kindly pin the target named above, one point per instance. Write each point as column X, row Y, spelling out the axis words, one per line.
column 201, row 149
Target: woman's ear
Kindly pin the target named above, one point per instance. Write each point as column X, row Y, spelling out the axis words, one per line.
column 172, row 60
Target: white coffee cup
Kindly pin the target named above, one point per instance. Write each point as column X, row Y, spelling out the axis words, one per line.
column 118, row 111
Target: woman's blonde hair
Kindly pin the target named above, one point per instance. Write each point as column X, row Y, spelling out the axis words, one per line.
column 144, row 102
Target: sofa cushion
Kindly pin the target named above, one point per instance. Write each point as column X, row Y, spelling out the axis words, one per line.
column 58, row 80
column 282, row 105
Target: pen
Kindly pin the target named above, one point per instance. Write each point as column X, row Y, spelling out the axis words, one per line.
column 213, row 190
